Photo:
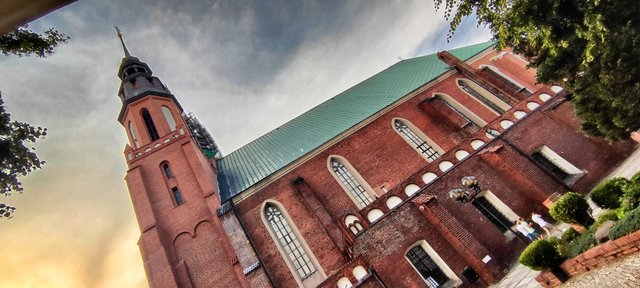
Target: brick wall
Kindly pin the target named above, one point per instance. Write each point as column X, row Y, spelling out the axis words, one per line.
column 595, row 257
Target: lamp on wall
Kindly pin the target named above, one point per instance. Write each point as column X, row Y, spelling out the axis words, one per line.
column 465, row 195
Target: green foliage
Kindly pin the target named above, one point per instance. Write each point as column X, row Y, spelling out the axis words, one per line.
column 626, row 225
column 609, row 215
column 631, row 197
column 24, row 42
column 16, row 159
column 539, row 255
column 569, row 235
column 572, row 208
column 608, row 193
column 590, row 47
column 583, row 243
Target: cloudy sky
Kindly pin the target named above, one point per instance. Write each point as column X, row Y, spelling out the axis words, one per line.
column 243, row 67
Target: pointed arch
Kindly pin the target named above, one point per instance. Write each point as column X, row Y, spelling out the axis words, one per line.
column 350, row 180
column 495, row 104
column 420, row 142
column 459, row 109
column 168, row 116
column 148, row 122
column 292, row 247
column 430, row 266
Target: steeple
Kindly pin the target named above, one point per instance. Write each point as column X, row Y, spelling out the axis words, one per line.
column 137, row 79
column 124, row 47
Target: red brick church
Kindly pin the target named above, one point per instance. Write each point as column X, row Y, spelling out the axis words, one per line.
column 365, row 189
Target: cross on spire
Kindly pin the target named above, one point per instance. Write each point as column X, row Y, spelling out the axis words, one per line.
column 124, row 47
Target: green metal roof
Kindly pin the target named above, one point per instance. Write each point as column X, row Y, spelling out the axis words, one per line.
column 273, row 151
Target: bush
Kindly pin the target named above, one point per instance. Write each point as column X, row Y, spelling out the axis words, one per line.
column 626, row 225
column 631, row 196
column 569, row 235
column 583, row 243
column 609, row 215
column 608, row 193
column 539, row 255
column 572, row 208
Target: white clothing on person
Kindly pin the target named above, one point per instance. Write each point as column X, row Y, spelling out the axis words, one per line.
column 538, row 220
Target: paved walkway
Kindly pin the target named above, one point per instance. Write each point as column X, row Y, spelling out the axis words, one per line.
column 623, row 273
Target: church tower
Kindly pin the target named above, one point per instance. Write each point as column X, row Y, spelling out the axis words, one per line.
column 172, row 187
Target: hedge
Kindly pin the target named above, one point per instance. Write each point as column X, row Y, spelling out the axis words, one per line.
column 608, row 193
column 572, row 208
column 540, row 255
column 626, row 225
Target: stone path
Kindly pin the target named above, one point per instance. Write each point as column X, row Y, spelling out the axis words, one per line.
column 621, row 273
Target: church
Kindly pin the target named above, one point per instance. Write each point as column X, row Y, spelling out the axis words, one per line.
column 412, row 178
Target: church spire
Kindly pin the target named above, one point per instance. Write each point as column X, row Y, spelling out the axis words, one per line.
column 124, row 47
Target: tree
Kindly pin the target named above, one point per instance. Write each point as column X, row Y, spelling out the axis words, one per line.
column 572, row 208
column 589, row 47
column 16, row 158
column 24, row 42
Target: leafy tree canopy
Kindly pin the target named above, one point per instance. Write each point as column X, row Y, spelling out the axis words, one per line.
column 24, row 42
column 589, row 47
column 16, row 158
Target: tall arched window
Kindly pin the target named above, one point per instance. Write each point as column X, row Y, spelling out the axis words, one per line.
column 151, row 128
column 133, row 135
column 483, row 96
column 419, row 142
column 167, row 171
column 430, row 266
column 169, row 117
column 350, row 182
column 459, row 109
column 293, row 249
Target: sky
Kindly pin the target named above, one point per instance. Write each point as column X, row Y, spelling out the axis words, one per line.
column 242, row 67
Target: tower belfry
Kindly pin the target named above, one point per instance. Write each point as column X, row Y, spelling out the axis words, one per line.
column 172, row 185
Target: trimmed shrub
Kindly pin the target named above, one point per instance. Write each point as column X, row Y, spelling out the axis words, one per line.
column 608, row 193
column 609, row 215
column 540, row 255
column 583, row 243
column 631, row 197
column 572, row 208
column 569, row 235
column 626, row 225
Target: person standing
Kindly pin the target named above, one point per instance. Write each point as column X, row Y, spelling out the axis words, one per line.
column 537, row 218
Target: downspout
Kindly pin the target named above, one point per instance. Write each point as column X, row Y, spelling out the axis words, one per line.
column 253, row 245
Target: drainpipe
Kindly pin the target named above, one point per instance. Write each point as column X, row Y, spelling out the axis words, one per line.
column 253, row 245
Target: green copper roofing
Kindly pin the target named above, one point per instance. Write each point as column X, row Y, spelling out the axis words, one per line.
column 273, row 151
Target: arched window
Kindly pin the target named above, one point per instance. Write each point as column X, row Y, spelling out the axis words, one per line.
column 496, row 73
column 350, row 181
column 133, row 135
column 151, row 128
column 344, row 283
column 177, row 196
column 360, row 273
column 483, row 96
column 418, row 142
column 167, row 171
column 374, row 215
column 459, row 109
column 169, row 117
column 411, row 189
column 292, row 248
column 393, row 202
column 353, row 224
column 430, row 266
